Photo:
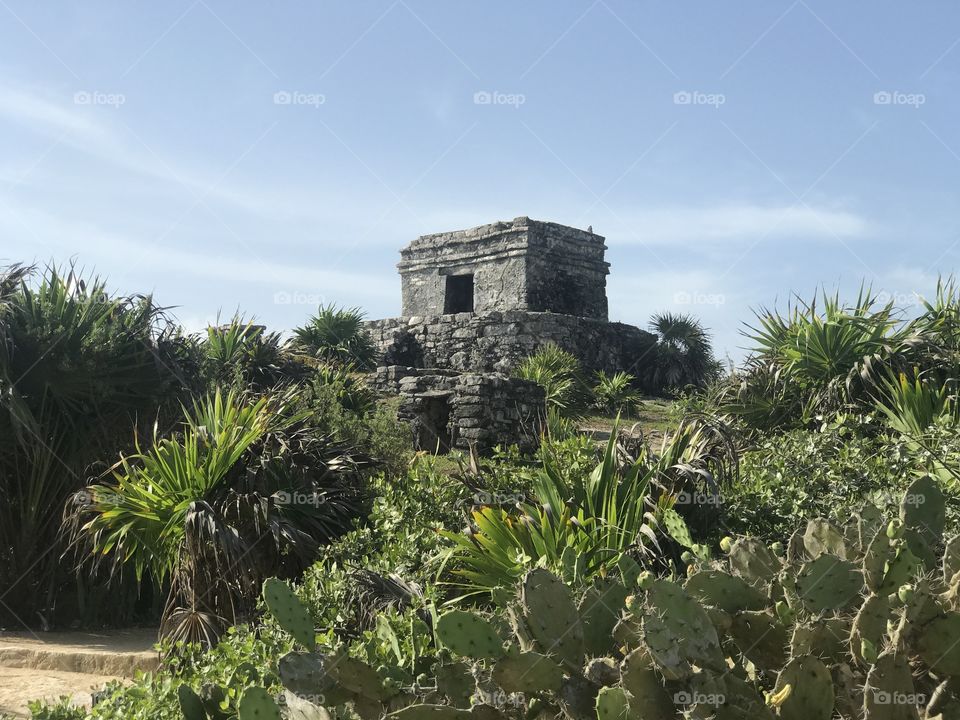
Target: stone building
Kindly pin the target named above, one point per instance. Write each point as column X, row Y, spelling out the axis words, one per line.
column 475, row 303
column 521, row 265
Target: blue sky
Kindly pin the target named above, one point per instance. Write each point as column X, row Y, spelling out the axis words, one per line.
column 227, row 155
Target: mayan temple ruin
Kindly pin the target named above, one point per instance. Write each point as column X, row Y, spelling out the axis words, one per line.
column 474, row 304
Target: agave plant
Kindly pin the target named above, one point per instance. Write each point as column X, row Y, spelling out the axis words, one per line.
column 336, row 335
column 78, row 369
column 245, row 491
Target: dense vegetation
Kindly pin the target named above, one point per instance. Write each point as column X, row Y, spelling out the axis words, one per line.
column 588, row 580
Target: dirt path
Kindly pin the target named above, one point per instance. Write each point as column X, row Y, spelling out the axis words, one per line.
column 52, row 665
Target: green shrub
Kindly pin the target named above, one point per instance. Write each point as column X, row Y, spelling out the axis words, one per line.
column 558, row 372
column 614, row 394
column 336, row 335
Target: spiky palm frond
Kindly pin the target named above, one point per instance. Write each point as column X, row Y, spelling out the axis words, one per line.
column 336, row 335
column 683, row 354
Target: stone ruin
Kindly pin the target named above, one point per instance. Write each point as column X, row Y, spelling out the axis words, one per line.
column 478, row 301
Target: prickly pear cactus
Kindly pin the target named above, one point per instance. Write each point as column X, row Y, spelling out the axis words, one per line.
column 678, row 632
column 821, row 537
column 612, row 704
column 939, row 643
column 754, row 562
column 527, row 672
column 286, row 607
column 552, row 617
column 804, row 690
column 256, row 704
column 761, row 637
column 725, row 592
column 190, row 704
column 469, row 635
column 889, row 693
column 828, row 583
column 869, row 627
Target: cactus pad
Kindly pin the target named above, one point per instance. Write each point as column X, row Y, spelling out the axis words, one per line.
column 527, row 672
column 870, row 625
column 889, row 689
column 678, row 632
column 469, row 635
column 828, row 583
column 754, row 561
column 647, row 693
column 724, row 591
column 429, row 712
column 257, row 704
column 190, row 704
column 939, row 643
column 612, row 704
column 552, row 617
column 761, row 638
column 286, row 607
column 811, row 693
column 822, row 537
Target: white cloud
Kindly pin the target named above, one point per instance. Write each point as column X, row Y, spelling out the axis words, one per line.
column 680, row 224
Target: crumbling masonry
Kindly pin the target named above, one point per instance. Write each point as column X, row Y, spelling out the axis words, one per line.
column 478, row 301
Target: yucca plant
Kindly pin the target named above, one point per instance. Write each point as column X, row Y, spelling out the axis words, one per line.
column 911, row 405
column 244, row 355
column 820, row 358
column 559, row 373
column 245, row 491
column 624, row 506
column 614, row 394
column 78, row 369
column 336, row 335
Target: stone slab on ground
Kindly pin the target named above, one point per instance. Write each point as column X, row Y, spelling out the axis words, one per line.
column 51, row 665
column 18, row 686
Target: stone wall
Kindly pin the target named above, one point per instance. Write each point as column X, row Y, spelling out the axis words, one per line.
column 520, row 265
column 451, row 410
column 498, row 341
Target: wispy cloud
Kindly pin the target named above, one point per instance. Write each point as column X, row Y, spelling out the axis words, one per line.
column 681, row 224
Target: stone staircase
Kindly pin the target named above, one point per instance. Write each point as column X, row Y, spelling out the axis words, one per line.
column 73, row 664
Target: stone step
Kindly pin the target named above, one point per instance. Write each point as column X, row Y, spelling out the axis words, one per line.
column 52, row 665
column 19, row 686
column 117, row 653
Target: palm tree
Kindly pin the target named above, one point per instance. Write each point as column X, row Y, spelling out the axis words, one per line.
column 336, row 335
column 247, row 490
column 684, row 353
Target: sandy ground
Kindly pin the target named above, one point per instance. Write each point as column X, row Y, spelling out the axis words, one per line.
column 52, row 665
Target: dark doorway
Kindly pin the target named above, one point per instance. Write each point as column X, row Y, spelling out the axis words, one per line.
column 432, row 429
column 459, row 296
